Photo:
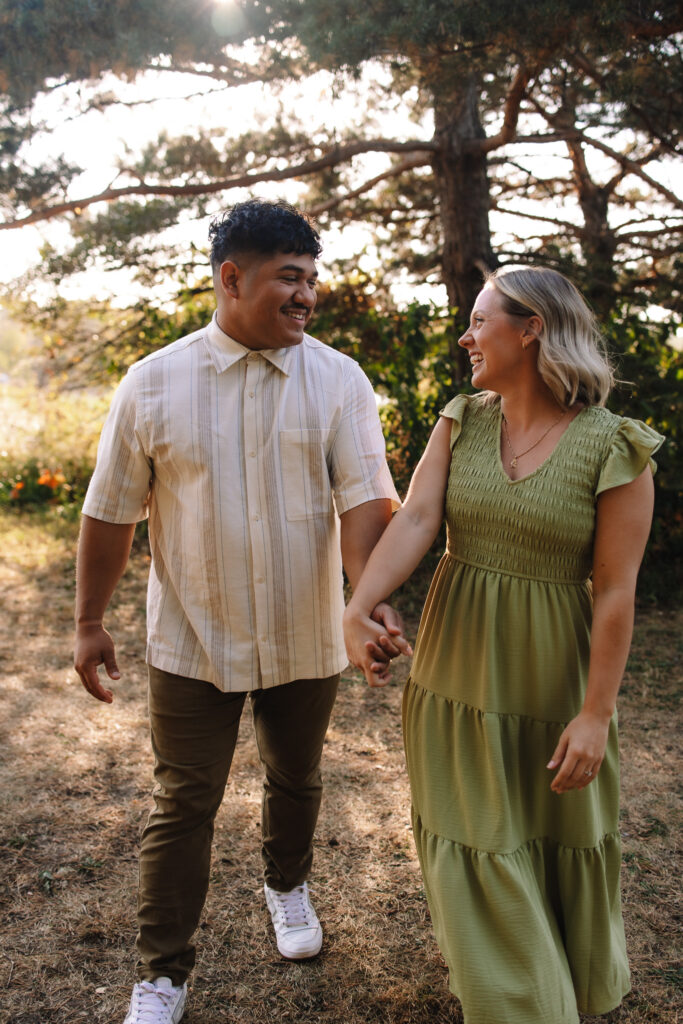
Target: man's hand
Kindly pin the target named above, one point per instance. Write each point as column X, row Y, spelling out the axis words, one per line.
column 94, row 646
column 390, row 644
column 371, row 643
column 103, row 551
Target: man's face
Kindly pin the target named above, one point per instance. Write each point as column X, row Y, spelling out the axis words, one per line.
column 270, row 299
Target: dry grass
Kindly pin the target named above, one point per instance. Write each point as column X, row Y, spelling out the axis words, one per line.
column 75, row 780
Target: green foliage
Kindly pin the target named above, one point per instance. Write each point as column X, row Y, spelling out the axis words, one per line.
column 48, row 443
column 352, row 31
column 125, row 234
column 650, row 371
column 406, row 355
column 80, row 39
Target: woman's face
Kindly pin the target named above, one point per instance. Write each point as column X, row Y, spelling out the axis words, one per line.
column 493, row 341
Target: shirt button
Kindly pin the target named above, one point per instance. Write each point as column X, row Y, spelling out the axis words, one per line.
column 259, row 579
column 251, row 394
column 252, row 455
column 257, row 519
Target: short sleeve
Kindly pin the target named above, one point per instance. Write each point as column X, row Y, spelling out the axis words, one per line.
column 120, row 486
column 359, row 470
column 631, row 450
column 455, row 410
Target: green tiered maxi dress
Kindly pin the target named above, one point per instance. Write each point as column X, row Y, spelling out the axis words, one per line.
column 522, row 883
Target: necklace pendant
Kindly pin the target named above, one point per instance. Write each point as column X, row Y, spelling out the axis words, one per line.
column 514, row 463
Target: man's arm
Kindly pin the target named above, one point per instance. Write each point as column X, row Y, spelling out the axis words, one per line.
column 103, row 551
column 361, row 528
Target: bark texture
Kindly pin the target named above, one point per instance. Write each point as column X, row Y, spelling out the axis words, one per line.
column 462, row 186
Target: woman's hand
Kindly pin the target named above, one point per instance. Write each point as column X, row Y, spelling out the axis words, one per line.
column 580, row 752
column 371, row 645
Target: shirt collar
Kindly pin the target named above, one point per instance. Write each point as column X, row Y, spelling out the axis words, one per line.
column 225, row 351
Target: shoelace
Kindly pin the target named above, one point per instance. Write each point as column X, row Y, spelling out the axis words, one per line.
column 294, row 908
column 153, row 1005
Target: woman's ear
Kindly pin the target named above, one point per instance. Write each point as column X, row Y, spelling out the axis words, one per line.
column 532, row 331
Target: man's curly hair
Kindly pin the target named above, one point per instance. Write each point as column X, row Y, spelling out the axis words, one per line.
column 260, row 226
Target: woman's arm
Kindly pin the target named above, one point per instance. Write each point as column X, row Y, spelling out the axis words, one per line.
column 623, row 519
column 399, row 551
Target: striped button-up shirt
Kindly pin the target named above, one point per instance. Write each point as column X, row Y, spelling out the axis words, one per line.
column 243, row 461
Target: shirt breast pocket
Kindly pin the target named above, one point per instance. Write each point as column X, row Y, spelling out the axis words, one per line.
column 305, row 476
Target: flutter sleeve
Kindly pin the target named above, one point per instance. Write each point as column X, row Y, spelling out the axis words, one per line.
column 631, row 450
column 455, row 410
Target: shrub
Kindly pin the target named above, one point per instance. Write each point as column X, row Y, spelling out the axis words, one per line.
column 48, row 444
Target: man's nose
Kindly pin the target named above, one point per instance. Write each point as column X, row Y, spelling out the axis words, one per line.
column 305, row 294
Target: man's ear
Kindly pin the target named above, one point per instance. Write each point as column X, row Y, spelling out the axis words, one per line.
column 229, row 274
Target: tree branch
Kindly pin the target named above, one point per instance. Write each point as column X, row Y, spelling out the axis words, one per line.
column 234, row 72
column 643, row 28
column 331, row 159
column 633, row 166
column 574, row 228
column 625, row 162
column 513, row 101
column 662, row 225
column 392, row 172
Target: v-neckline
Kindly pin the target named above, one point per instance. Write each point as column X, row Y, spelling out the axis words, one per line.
column 528, row 476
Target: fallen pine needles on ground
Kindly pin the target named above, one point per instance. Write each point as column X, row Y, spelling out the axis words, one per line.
column 75, row 781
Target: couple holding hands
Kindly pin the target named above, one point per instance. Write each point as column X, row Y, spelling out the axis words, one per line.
column 256, row 452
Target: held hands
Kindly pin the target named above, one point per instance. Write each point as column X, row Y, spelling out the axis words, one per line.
column 580, row 752
column 93, row 647
column 372, row 641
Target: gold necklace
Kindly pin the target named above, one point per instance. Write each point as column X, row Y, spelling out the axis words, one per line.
column 516, row 456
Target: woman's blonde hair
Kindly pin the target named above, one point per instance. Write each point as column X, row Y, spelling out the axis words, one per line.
column 572, row 358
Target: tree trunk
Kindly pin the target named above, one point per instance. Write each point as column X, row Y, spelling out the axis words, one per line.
column 597, row 239
column 462, row 187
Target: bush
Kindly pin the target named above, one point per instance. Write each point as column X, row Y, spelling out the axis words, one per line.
column 650, row 388
column 48, row 444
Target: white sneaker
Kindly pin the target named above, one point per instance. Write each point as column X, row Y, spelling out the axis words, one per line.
column 156, row 1002
column 297, row 928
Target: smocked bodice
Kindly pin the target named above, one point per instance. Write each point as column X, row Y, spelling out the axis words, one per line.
column 540, row 526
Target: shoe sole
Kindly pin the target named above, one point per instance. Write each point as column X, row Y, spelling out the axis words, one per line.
column 301, row 956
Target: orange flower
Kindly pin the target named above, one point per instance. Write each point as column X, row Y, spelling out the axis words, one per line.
column 49, row 479
column 18, row 487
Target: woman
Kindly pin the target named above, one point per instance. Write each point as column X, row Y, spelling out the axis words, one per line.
column 509, row 713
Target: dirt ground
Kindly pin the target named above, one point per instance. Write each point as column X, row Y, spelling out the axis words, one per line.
column 75, row 784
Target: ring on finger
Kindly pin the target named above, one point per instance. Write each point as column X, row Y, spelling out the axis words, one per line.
column 589, row 771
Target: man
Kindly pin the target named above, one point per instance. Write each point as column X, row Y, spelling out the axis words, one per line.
column 257, row 453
